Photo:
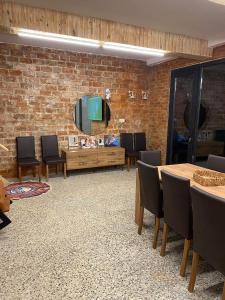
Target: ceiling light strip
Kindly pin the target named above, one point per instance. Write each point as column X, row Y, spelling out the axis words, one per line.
column 133, row 49
column 27, row 33
column 57, row 38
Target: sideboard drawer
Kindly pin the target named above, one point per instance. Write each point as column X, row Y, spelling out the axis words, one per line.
column 111, row 162
column 75, row 164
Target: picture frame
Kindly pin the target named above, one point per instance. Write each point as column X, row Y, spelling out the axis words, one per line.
column 111, row 140
column 101, row 142
column 73, row 141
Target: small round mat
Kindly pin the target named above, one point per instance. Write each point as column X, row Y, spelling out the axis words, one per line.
column 25, row 189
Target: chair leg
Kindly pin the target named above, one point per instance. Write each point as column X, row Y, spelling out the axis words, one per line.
column 164, row 239
column 39, row 172
column 46, row 166
column 194, row 268
column 140, row 225
column 64, row 170
column 34, row 172
column 20, row 173
column 156, row 232
column 187, row 244
column 56, row 169
column 223, row 295
column 128, row 164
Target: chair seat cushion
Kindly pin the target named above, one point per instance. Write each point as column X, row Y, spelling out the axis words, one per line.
column 133, row 154
column 28, row 162
column 54, row 160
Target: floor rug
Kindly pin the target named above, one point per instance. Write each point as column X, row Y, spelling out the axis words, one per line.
column 19, row 190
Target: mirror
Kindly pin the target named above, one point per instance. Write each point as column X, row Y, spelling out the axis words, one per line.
column 91, row 115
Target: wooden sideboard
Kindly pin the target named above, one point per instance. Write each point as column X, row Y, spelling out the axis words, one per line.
column 92, row 158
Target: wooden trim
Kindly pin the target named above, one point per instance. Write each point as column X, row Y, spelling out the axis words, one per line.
column 17, row 15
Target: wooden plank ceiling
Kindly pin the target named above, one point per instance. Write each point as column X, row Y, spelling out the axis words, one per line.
column 16, row 15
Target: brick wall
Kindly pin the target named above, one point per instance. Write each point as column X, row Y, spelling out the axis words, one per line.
column 39, row 88
column 219, row 52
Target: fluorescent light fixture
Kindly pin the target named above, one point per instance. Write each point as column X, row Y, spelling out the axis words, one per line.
column 133, row 49
column 221, row 2
column 57, row 37
column 28, row 33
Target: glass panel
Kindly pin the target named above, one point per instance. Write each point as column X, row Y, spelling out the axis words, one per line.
column 211, row 129
column 182, row 122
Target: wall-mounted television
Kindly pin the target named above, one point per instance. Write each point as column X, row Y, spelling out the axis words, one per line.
column 94, row 108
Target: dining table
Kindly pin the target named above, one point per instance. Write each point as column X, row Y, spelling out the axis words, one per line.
column 185, row 170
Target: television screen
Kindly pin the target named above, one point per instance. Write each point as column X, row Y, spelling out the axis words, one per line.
column 95, row 108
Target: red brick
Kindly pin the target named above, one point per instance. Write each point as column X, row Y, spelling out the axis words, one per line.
column 40, row 98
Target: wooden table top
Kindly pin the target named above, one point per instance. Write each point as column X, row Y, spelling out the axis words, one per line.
column 186, row 170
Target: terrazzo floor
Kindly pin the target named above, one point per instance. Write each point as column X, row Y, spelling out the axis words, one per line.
column 79, row 241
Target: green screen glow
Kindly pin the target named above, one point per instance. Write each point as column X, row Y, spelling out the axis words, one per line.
column 95, row 108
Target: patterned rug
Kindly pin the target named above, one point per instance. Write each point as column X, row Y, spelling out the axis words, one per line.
column 19, row 190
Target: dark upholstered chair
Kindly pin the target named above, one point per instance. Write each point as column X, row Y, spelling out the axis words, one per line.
column 133, row 144
column 139, row 141
column 151, row 157
column 50, row 153
column 177, row 212
column 208, row 232
column 150, row 195
column 5, row 220
column 216, row 163
column 25, row 148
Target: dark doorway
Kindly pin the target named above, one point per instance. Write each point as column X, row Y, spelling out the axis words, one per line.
column 197, row 113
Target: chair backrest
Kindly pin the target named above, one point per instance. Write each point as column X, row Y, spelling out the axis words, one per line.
column 139, row 141
column 150, row 192
column 151, row 157
column 208, row 227
column 49, row 146
column 177, row 203
column 25, row 147
column 126, row 141
column 216, row 163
